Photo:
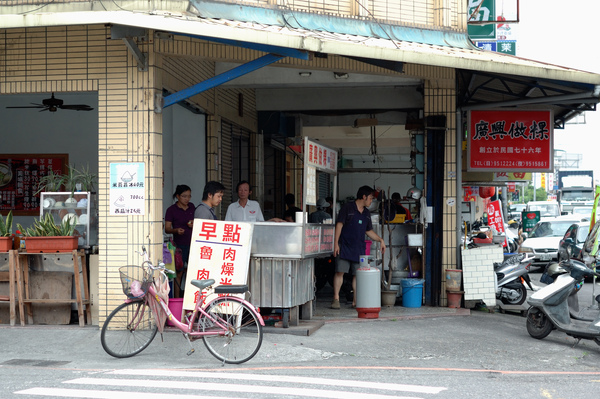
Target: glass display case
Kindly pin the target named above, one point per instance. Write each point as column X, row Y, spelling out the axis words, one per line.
column 79, row 208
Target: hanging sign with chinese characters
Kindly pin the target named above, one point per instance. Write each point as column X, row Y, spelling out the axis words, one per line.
column 127, row 188
column 220, row 251
column 516, row 177
column 320, row 156
column 515, row 141
column 495, row 218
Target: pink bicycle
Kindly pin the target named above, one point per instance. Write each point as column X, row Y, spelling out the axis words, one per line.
column 230, row 327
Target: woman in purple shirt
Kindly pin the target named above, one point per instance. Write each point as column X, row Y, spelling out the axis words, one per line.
column 179, row 220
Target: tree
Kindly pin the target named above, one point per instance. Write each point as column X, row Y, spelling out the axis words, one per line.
column 540, row 194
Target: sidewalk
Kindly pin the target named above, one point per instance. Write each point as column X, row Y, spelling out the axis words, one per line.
column 323, row 314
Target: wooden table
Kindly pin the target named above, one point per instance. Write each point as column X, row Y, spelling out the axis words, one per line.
column 22, row 277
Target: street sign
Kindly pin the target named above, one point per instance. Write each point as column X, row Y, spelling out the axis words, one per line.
column 482, row 11
column 529, row 219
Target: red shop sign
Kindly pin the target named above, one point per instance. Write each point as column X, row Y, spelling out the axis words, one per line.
column 512, row 141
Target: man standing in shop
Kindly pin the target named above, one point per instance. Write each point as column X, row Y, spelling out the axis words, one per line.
column 353, row 222
column 211, row 198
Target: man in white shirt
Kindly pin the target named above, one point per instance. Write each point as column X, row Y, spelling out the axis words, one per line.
column 244, row 209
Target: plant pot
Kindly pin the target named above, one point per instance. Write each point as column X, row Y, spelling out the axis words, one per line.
column 454, row 298
column 50, row 244
column 453, row 279
column 6, row 244
column 388, row 298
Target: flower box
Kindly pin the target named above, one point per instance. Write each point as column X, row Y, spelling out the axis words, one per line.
column 6, row 244
column 51, row 244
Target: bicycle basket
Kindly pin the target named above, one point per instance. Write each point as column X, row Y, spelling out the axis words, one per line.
column 135, row 281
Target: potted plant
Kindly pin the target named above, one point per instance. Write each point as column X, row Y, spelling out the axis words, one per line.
column 50, row 182
column 6, row 242
column 47, row 236
column 71, row 183
column 86, row 179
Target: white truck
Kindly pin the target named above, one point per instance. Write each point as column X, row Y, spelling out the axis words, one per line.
column 547, row 209
column 575, row 188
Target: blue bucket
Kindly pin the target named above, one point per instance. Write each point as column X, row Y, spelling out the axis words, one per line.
column 412, row 292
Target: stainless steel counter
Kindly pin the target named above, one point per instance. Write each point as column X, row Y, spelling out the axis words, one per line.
column 282, row 263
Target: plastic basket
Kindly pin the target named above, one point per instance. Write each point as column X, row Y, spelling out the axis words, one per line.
column 135, row 281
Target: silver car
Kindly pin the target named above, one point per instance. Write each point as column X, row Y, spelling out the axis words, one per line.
column 543, row 241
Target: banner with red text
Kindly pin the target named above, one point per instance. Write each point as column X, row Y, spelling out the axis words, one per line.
column 219, row 250
column 512, row 141
column 495, row 218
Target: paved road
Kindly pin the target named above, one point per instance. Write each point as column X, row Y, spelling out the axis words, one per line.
column 481, row 355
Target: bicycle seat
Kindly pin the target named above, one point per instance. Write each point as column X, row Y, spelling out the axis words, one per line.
column 231, row 289
column 202, row 284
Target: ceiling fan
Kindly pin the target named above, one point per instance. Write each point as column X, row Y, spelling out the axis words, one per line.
column 52, row 104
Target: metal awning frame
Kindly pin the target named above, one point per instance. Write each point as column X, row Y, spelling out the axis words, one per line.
column 275, row 53
column 568, row 98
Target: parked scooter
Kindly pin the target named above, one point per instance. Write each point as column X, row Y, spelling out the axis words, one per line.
column 512, row 275
column 550, row 306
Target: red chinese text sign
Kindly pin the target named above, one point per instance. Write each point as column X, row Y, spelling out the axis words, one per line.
column 513, row 141
column 219, row 250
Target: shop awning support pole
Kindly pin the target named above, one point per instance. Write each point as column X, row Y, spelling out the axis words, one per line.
column 221, row 78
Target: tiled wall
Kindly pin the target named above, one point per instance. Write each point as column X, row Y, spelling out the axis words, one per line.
column 478, row 273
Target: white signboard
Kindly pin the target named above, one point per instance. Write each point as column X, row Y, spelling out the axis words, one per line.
column 311, row 186
column 320, row 156
column 127, row 189
column 219, row 250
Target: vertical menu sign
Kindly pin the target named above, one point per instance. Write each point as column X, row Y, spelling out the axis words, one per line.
column 220, row 251
column 20, row 175
column 318, row 157
column 127, row 188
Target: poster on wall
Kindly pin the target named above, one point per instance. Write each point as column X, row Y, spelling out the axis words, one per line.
column 219, row 250
column 19, row 178
column 510, row 141
column 127, row 188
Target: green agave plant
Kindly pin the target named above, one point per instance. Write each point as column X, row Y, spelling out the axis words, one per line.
column 45, row 227
column 50, row 182
column 6, row 225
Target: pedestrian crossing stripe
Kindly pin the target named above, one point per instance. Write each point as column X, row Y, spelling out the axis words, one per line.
column 174, row 381
column 281, row 378
column 237, row 388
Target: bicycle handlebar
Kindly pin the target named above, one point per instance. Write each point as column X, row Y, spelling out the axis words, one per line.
column 160, row 266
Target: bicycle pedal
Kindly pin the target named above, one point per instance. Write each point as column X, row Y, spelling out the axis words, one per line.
column 191, row 351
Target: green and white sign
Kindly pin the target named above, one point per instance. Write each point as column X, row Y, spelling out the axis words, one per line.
column 529, row 219
column 482, row 11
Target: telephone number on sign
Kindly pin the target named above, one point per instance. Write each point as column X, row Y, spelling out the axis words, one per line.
column 511, row 164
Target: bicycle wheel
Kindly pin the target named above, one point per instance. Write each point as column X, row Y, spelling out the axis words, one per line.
column 128, row 330
column 243, row 335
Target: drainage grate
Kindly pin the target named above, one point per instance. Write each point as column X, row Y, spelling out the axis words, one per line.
column 34, row 363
